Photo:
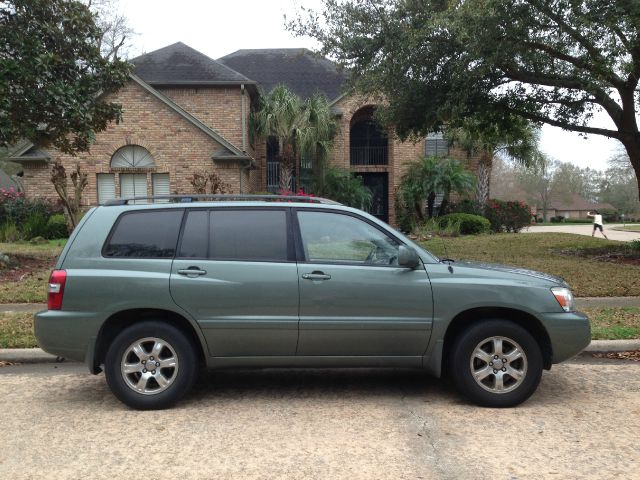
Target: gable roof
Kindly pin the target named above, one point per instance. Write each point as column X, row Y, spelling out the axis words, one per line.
column 27, row 151
column 228, row 151
column 304, row 72
column 179, row 64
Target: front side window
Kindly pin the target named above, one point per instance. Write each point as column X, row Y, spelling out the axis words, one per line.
column 145, row 234
column 337, row 238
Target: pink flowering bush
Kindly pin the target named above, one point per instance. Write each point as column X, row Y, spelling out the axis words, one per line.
column 508, row 216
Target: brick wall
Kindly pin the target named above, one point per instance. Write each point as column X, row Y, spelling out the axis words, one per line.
column 401, row 154
column 178, row 147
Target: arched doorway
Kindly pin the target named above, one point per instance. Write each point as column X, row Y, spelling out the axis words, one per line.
column 369, row 147
column 369, row 144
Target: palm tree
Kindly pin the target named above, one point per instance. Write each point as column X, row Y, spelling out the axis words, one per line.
column 301, row 129
column 428, row 176
column 517, row 139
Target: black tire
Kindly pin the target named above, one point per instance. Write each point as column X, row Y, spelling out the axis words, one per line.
column 172, row 343
column 485, row 392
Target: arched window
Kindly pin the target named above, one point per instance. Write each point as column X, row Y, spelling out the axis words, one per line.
column 132, row 156
column 369, row 142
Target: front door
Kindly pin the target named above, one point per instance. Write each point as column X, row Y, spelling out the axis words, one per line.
column 354, row 297
column 235, row 274
column 378, row 183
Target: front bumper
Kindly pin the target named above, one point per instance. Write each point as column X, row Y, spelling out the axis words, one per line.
column 570, row 333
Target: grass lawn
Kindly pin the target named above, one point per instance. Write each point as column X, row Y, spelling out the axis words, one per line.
column 30, row 265
column 619, row 323
column 629, row 228
column 16, row 329
column 576, row 258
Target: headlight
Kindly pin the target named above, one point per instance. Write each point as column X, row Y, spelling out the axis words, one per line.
column 564, row 298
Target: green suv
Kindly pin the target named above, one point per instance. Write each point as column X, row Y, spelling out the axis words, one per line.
column 151, row 292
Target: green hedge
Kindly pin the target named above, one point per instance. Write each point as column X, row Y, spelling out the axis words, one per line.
column 469, row 224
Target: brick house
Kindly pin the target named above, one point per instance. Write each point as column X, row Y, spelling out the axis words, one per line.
column 184, row 112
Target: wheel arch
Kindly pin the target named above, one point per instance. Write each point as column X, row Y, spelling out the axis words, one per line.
column 117, row 322
column 519, row 317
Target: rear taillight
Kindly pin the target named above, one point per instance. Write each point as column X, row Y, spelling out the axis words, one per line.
column 56, row 289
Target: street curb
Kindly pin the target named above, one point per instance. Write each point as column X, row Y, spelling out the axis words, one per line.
column 606, row 346
column 27, row 355
column 37, row 355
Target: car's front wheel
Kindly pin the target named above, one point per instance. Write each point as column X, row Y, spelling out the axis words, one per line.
column 150, row 365
column 496, row 363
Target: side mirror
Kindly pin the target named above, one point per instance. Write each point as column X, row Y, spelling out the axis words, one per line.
column 408, row 257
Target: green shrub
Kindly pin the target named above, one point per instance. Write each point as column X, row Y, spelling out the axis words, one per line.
column 9, row 233
column 35, row 225
column 558, row 219
column 578, row 220
column 57, row 227
column 432, row 227
column 508, row 216
column 342, row 186
column 468, row 224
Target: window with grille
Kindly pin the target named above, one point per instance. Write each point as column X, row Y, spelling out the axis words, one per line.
column 132, row 156
column 436, row 145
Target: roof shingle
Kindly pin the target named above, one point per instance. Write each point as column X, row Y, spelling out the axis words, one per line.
column 179, row 64
column 298, row 68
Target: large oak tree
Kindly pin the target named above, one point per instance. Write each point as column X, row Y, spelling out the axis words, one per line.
column 53, row 78
column 442, row 61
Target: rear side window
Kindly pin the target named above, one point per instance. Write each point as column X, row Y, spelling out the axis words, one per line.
column 226, row 234
column 248, row 235
column 145, row 234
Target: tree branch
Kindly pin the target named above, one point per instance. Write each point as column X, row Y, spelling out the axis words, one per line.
column 588, row 66
column 600, row 96
column 567, row 126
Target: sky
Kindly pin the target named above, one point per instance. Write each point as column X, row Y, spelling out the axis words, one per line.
column 220, row 27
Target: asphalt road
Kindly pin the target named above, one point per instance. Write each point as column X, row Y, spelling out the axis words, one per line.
column 58, row 422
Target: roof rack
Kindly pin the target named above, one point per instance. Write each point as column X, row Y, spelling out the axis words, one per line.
column 221, row 198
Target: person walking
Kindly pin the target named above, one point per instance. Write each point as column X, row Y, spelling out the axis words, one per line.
column 597, row 223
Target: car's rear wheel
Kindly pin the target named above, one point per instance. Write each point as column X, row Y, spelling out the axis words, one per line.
column 150, row 365
column 496, row 363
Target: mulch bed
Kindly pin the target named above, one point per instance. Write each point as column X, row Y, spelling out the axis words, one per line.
column 22, row 266
column 624, row 256
column 634, row 356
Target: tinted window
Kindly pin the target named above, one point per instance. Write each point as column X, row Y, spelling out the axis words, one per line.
column 195, row 237
column 248, row 235
column 150, row 234
column 342, row 238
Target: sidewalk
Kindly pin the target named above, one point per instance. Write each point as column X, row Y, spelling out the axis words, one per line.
column 585, row 229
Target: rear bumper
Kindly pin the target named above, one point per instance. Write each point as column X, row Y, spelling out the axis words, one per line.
column 570, row 333
column 66, row 334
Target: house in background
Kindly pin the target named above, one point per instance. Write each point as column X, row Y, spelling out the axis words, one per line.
column 574, row 206
column 184, row 112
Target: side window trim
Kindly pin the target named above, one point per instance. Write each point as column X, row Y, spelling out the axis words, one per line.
column 291, row 250
column 129, row 212
column 302, row 258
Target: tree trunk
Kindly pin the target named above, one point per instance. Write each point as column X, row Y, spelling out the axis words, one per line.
column 431, row 200
column 483, row 184
column 632, row 146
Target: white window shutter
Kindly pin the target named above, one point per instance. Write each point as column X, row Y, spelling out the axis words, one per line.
column 161, row 185
column 106, row 187
column 133, row 185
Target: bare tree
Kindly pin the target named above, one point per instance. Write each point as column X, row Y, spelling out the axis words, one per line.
column 115, row 28
column 71, row 202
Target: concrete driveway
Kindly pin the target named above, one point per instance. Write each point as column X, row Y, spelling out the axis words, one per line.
column 586, row 229
column 59, row 422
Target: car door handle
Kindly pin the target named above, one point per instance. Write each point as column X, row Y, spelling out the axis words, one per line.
column 192, row 272
column 316, row 276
